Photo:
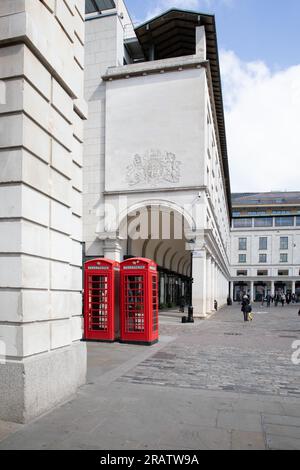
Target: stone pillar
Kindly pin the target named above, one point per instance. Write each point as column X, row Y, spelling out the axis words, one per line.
column 209, row 306
column 213, row 283
column 231, row 290
column 199, row 286
column 293, row 287
column 252, row 291
column 112, row 250
column 41, row 135
column 272, row 287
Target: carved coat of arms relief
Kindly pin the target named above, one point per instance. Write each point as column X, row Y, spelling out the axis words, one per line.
column 153, row 168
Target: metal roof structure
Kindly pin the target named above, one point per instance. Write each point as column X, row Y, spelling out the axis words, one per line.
column 173, row 34
column 265, row 199
column 96, row 6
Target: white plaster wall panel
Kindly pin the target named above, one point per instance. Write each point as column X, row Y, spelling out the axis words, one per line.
column 71, row 5
column 10, row 237
column 36, row 73
column 60, row 276
column 9, row 7
column 61, row 248
column 11, row 131
column 60, row 187
column 10, row 271
column 60, row 217
column 60, row 129
column 76, row 253
column 60, row 305
column 81, row 108
column 35, row 305
column 76, row 228
column 65, row 19
column 36, row 140
column 76, row 328
column 79, row 27
column 12, row 61
column 78, row 127
column 13, row 338
column 76, row 303
column 35, row 273
column 36, row 338
column 10, row 166
column 10, row 201
column 141, row 107
column 61, row 159
column 80, row 6
column 60, row 334
column 77, row 152
column 14, row 96
column 62, row 101
column 35, row 172
column 38, row 25
column 11, row 306
column 49, row 4
column 35, row 206
column 76, row 278
column 76, row 202
column 13, row 26
column 77, row 177
column 79, row 51
column 35, row 240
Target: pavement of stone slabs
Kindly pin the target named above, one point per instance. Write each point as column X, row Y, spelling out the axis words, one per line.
column 216, row 384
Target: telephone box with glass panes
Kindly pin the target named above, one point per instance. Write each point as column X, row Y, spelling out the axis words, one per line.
column 101, row 300
column 139, row 301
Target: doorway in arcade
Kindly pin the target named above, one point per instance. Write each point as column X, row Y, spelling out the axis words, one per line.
column 165, row 241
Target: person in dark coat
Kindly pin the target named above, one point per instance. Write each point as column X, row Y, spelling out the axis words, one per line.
column 245, row 309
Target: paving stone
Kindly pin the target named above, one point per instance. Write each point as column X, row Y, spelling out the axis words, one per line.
column 242, row 440
column 239, row 421
column 275, row 442
column 210, row 385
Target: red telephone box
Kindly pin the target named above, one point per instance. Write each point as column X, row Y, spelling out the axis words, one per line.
column 101, row 300
column 139, row 301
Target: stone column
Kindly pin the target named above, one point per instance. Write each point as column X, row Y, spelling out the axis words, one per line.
column 252, row 291
column 272, row 287
column 41, row 135
column 231, row 290
column 112, row 250
column 208, row 284
column 293, row 287
column 199, row 286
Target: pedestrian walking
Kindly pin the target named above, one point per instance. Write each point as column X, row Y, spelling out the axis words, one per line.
column 283, row 298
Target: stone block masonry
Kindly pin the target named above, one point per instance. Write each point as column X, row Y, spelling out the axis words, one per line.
column 42, row 110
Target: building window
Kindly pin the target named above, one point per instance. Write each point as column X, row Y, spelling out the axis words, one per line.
column 297, row 221
column 243, row 244
column 284, row 243
column 263, row 243
column 242, row 223
column 283, row 258
column 262, row 258
column 284, row 221
column 242, row 273
column 283, row 273
column 242, row 259
column 263, row 222
column 262, row 273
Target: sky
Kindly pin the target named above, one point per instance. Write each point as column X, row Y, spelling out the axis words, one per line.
column 259, row 47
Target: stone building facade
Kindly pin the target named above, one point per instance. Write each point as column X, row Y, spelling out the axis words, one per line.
column 155, row 151
column 265, row 244
column 41, row 134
